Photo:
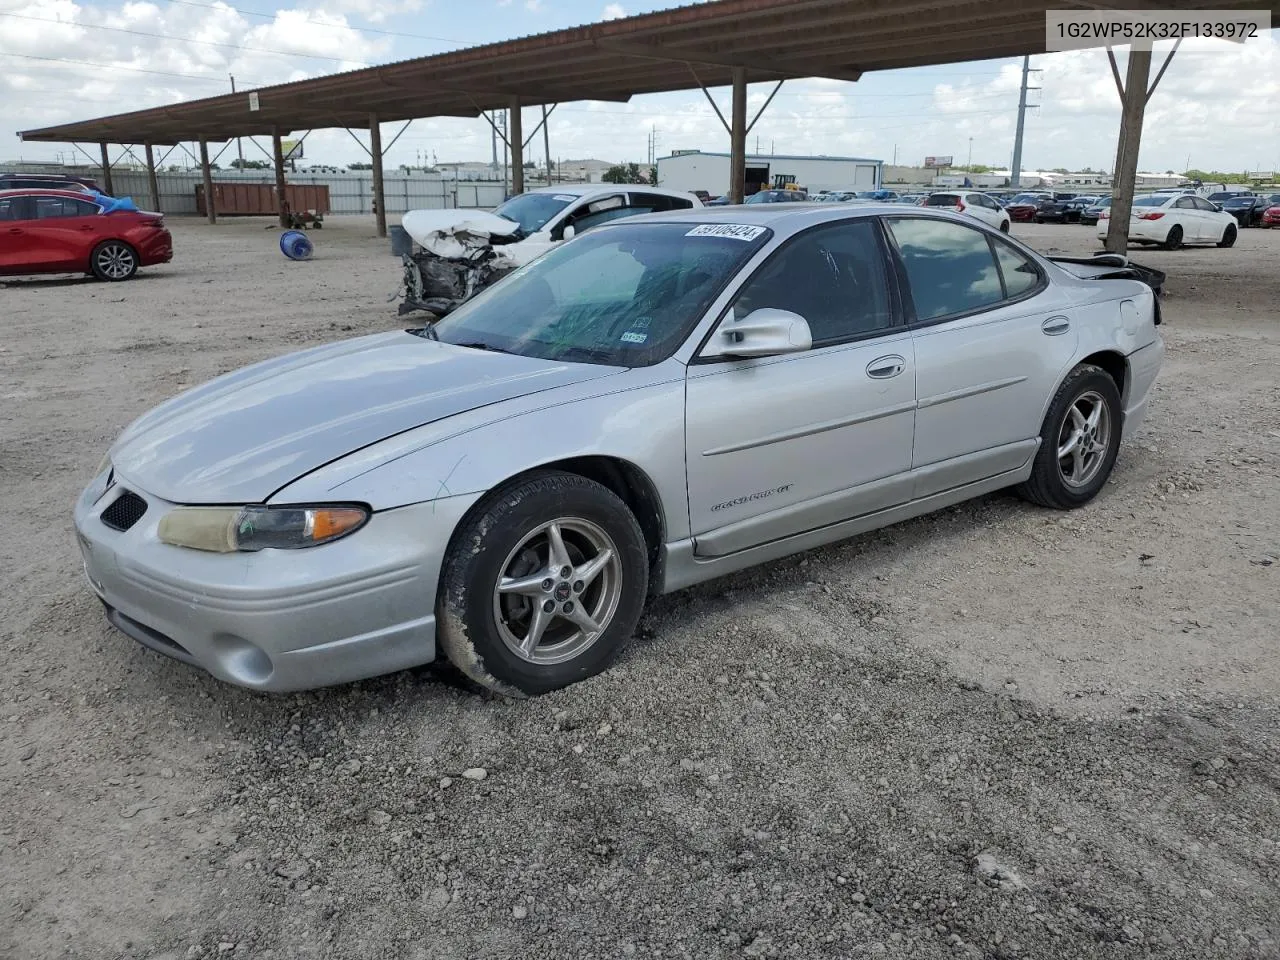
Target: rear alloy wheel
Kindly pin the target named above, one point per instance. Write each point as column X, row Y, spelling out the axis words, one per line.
column 1174, row 240
column 542, row 586
column 1079, row 441
column 113, row 260
column 1228, row 236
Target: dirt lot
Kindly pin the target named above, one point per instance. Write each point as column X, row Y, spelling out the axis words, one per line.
column 995, row 732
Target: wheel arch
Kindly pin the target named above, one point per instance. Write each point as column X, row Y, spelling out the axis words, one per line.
column 1115, row 364
column 632, row 485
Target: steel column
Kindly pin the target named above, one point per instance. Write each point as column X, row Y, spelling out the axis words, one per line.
column 1125, row 174
column 375, row 154
column 277, row 158
column 546, row 142
column 153, row 187
column 515, row 134
column 209, row 206
column 738, row 137
column 106, row 172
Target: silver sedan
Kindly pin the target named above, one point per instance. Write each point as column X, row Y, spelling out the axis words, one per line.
column 656, row 403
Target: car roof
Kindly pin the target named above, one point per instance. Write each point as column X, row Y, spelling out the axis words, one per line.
column 586, row 189
column 787, row 218
column 48, row 192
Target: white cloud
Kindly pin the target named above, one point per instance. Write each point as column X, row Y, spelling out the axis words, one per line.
column 614, row 11
column 533, row 5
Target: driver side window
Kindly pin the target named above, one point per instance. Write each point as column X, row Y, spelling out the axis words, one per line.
column 833, row 276
column 595, row 213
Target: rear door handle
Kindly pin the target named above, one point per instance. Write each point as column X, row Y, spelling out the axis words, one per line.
column 882, row 368
column 1056, row 326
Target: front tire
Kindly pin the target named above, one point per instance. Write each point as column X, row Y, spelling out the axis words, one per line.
column 542, row 586
column 113, row 260
column 1079, row 441
column 1004, row 226
column 1228, row 236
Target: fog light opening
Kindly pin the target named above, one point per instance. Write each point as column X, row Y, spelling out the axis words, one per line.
column 243, row 661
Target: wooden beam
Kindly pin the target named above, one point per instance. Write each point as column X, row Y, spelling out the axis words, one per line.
column 375, row 155
column 515, row 133
column 106, row 172
column 738, row 137
column 277, row 160
column 210, row 207
column 153, row 185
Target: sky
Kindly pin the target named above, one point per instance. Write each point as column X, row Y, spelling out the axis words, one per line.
column 62, row 60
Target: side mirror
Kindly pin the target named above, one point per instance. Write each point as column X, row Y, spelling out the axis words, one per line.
column 569, row 231
column 767, row 332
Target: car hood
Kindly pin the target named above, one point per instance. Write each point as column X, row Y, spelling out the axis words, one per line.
column 241, row 437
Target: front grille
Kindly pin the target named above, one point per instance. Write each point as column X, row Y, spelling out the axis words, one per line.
column 125, row 511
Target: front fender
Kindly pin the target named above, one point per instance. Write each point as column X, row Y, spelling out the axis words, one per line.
column 642, row 424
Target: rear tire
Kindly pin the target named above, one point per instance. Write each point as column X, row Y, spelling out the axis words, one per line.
column 1174, row 240
column 1228, row 236
column 113, row 260
column 1004, row 226
column 509, row 616
column 1079, row 441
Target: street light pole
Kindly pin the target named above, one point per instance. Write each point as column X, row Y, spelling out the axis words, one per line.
column 239, row 146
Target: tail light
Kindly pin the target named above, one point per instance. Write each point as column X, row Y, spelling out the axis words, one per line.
column 1151, row 216
column 156, row 222
column 1103, row 215
column 959, row 206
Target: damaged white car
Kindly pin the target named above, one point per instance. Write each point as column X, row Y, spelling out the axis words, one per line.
column 463, row 251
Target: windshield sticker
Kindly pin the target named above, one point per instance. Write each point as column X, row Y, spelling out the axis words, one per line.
column 565, row 198
column 630, row 337
column 735, row 231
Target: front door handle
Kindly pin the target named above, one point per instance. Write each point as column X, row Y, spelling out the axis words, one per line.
column 1055, row 326
column 882, row 368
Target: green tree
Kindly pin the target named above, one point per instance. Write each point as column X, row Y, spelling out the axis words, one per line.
column 250, row 165
column 629, row 173
column 359, row 166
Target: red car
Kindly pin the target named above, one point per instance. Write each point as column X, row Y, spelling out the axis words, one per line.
column 64, row 231
column 1271, row 216
column 1023, row 207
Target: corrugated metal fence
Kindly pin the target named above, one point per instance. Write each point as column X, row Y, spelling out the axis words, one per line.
column 348, row 192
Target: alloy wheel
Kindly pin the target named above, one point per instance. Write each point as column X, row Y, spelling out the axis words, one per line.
column 558, row 591
column 1084, row 439
column 115, row 260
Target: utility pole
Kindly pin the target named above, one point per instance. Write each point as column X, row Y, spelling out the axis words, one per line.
column 239, row 146
column 970, row 163
column 503, row 118
column 493, row 137
column 1015, row 174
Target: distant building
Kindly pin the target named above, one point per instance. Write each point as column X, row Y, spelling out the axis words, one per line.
column 695, row 170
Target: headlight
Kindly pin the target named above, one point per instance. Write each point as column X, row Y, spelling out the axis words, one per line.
column 229, row 529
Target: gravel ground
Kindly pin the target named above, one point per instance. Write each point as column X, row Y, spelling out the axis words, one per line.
column 995, row 732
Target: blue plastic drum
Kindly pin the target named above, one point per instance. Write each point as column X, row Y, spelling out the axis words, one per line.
column 296, row 245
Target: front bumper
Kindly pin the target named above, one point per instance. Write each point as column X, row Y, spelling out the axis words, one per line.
column 276, row 619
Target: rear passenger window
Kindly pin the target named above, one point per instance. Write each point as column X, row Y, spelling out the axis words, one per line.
column 1019, row 272
column 48, row 207
column 657, row 203
column 8, row 209
column 950, row 267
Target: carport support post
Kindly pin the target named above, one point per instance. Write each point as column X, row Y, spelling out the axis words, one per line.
column 1123, row 179
column 153, row 187
column 209, row 210
column 375, row 154
column 516, row 135
column 738, row 137
column 277, row 157
column 106, row 172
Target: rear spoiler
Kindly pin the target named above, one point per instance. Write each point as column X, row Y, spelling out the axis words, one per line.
column 1112, row 266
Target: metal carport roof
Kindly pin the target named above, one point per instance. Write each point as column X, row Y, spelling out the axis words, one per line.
column 614, row 60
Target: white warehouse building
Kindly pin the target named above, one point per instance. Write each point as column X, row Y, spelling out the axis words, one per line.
column 694, row 170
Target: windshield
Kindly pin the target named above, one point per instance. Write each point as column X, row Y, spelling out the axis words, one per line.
column 1151, row 201
column 1238, row 202
column 533, row 210
column 623, row 295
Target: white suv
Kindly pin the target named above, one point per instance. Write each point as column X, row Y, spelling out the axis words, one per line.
column 975, row 204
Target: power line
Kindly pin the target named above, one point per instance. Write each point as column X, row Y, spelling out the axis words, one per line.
column 322, row 23
column 165, row 36
column 118, row 66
